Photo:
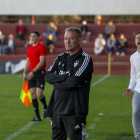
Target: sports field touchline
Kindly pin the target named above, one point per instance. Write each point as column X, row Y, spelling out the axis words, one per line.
column 32, row 123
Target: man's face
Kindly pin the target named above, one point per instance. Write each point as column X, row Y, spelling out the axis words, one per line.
column 20, row 22
column 34, row 37
column 112, row 36
column 110, row 23
column 122, row 37
column 71, row 41
column 100, row 35
column 137, row 41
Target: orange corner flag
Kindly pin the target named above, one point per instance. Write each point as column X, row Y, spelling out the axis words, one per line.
column 25, row 94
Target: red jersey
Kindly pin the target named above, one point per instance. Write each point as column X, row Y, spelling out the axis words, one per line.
column 20, row 29
column 34, row 53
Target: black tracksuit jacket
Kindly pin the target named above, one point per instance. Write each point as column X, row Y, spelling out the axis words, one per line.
column 71, row 77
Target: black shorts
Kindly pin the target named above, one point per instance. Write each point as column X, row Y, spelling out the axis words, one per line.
column 37, row 80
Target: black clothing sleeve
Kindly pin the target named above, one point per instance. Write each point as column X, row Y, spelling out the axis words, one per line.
column 78, row 79
column 51, row 77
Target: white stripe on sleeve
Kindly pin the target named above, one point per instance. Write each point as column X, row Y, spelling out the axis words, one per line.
column 84, row 65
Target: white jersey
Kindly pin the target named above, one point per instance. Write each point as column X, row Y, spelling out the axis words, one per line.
column 134, row 84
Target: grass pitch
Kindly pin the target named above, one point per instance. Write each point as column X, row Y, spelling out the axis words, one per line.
column 109, row 113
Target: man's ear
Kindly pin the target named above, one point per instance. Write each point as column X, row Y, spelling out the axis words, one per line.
column 79, row 40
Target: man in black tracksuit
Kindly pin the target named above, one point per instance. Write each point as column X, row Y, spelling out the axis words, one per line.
column 70, row 75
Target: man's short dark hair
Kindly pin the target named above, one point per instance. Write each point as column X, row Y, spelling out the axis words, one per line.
column 37, row 33
column 137, row 33
column 77, row 30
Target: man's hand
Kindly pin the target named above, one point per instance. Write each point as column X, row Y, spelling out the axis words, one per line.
column 30, row 75
column 24, row 76
column 127, row 93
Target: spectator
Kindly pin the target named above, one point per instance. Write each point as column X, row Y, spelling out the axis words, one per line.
column 40, row 40
column 51, row 29
column 11, row 44
column 1, row 35
column 20, row 30
column 111, row 43
column 122, row 42
column 3, row 47
column 99, row 44
column 97, row 19
column 28, row 42
column 85, row 31
column 109, row 29
column 50, row 44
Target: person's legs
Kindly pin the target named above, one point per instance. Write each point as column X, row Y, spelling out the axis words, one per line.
column 34, row 101
column 54, row 36
column 5, row 49
column 75, row 127
column 41, row 97
column 22, row 36
column 108, row 50
column 51, row 48
column 47, row 34
column 0, row 50
column 88, row 36
column 13, row 49
column 58, row 130
column 98, row 50
column 136, row 115
column 32, row 87
column 123, row 49
column 40, row 83
column 118, row 51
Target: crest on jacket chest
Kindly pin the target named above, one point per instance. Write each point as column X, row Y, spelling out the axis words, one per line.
column 61, row 72
column 76, row 63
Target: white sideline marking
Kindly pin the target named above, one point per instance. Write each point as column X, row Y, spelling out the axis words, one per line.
column 32, row 123
column 100, row 80
column 92, row 126
column 101, row 114
column 20, row 131
column 97, row 119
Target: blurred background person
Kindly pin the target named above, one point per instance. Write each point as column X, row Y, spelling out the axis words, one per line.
column 20, row 30
column 51, row 29
column 50, row 44
column 109, row 29
column 98, row 19
column 1, row 34
column 121, row 45
column 3, row 46
column 111, row 43
column 99, row 44
column 85, row 31
column 28, row 42
column 11, row 44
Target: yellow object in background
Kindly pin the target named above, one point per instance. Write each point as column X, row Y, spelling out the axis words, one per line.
column 109, row 63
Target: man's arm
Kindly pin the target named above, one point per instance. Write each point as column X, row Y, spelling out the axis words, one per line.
column 132, row 83
column 79, row 78
column 51, row 77
column 39, row 65
column 26, row 69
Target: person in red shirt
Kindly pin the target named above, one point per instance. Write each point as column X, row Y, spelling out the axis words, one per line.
column 20, row 30
column 34, row 72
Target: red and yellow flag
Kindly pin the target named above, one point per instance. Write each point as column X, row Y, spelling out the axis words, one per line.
column 25, row 94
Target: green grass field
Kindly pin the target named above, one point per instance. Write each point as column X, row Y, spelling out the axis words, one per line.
column 106, row 97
